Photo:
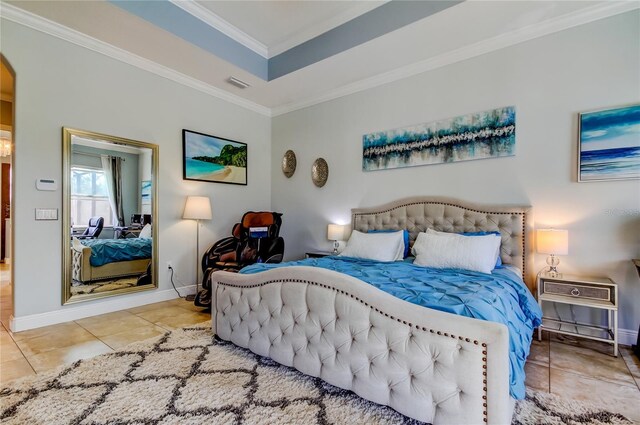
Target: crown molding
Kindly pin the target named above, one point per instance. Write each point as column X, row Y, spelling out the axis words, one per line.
column 38, row 23
column 208, row 17
column 319, row 28
column 581, row 17
column 584, row 16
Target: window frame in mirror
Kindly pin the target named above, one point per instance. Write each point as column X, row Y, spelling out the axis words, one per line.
column 67, row 266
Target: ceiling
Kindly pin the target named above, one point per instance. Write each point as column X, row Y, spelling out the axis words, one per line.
column 278, row 24
column 325, row 49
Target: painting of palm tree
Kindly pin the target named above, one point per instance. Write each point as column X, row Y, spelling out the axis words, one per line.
column 213, row 159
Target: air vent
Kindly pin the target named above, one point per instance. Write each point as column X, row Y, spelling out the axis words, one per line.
column 238, row 83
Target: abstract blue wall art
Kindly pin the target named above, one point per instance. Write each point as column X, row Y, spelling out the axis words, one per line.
column 145, row 192
column 487, row 134
column 609, row 144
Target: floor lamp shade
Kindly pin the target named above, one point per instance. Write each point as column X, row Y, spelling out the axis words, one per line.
column 197, row 208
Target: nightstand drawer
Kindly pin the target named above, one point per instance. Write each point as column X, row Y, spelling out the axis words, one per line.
column 573, row 290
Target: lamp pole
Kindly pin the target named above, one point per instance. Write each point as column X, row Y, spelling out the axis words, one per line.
column 197, row 208
column 192, row 297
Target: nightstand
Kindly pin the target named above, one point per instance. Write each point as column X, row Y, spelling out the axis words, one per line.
column 593, row 292
column 317, row 254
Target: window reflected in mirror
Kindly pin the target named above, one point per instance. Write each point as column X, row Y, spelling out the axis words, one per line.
column 110, row 199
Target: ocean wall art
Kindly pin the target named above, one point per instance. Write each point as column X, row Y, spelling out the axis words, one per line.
column 609, row 144
column 487, row 134
column 213, row 159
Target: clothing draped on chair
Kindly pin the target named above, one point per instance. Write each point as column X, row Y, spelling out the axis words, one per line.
column 112, row 166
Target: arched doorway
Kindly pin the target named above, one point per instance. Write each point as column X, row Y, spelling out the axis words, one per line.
column 7, row 136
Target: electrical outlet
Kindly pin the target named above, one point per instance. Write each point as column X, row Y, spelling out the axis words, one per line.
column 169, row 265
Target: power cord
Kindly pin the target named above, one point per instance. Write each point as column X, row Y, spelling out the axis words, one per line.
column 173, row 284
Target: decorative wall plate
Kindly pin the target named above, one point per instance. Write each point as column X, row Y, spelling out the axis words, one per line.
column 319, row 172
column 289, row 163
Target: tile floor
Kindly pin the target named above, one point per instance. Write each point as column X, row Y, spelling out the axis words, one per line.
column 575, row 369
column 6, row 299
column 37, row 350
column 585, row 370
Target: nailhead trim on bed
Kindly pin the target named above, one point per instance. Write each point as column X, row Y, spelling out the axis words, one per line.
column 424, row 329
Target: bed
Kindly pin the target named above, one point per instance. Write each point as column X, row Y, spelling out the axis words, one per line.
column 101, row 259
column 433, row 366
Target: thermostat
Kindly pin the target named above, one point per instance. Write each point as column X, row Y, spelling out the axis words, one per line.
column 46, row 184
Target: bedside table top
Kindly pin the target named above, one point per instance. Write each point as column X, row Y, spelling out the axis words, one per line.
column 577, row 279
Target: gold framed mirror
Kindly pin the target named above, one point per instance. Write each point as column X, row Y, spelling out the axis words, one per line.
column 109, row 216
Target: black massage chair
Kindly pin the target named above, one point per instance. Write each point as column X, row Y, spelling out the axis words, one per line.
column 254, row 240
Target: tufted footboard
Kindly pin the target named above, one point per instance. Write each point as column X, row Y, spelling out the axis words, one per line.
column 429, row 365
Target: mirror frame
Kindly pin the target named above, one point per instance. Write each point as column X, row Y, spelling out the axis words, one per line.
column 67, row 134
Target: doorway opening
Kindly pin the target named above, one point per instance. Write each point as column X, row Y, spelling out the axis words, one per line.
column 7, row 132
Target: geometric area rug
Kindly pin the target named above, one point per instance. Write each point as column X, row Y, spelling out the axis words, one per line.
column 188, row 377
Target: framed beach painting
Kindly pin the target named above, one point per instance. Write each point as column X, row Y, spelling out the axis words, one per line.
column 213, row 159
column 609, row 144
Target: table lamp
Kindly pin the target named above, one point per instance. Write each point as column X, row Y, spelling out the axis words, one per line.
column 552, row 242
column 335, row 233
column 197, row 208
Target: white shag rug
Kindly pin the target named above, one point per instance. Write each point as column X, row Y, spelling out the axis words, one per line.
column 187, row 377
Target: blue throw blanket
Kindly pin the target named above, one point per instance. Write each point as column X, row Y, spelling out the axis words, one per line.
column 104, row 251
column 500, row 297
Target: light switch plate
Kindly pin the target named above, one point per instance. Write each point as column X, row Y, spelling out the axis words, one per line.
column 46, row 213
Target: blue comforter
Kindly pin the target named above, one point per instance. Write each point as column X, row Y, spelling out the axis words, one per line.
column 104, row 251
column 500, row 297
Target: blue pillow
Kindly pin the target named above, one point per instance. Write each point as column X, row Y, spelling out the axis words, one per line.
column 405, row 234
column 499, row 260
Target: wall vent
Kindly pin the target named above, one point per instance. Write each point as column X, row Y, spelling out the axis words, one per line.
column 238, row 83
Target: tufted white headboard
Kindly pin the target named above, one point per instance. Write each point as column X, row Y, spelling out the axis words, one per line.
column 417, row 214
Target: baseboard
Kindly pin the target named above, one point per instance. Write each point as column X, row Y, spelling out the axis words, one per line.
column 18, row 324
column 67, row 314
column 627, row 337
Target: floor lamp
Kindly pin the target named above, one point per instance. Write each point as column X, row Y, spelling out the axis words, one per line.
column 197, row 208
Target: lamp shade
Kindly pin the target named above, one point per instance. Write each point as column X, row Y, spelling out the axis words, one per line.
column 552, row 241
column 197, row 208
column 335, row 232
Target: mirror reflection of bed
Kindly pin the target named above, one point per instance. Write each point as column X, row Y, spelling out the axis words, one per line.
column 110, row 217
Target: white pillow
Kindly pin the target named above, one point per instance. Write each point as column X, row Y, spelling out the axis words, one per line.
column 145, row 233
column 77, row 245
column 449, row 250
column 375, row 246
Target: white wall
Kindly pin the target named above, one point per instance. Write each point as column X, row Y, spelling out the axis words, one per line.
column 60, row 84
column 549, row 80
